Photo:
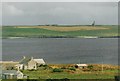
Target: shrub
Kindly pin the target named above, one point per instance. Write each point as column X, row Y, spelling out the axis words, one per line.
column 65, row 79
column 32, row 70
column 42, row 65
column 90, row 67
column 72, row 68
column 63, row 67
column 76, row 66
column 57, row 70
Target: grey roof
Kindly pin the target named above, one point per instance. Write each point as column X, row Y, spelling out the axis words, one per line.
column 24, row 60
column 9, row 72
column 39, row 61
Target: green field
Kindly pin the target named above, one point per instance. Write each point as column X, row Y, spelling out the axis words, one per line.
column 86, row 75
column 46, row 72
column 59, row 31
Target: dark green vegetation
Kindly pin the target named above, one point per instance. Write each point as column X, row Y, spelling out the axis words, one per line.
column 57, row 70
column 64, row 79
column 12, row 31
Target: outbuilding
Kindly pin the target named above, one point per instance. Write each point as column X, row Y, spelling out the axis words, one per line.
column 81, row 65
column 12, row 74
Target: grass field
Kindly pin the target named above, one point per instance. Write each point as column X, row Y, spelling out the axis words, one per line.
column 85, row 75
column 59, row 31
column 46, row 73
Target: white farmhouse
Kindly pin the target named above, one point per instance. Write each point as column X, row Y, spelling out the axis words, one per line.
column 30, row 63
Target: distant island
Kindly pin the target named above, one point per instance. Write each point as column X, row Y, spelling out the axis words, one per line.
column 61, row 31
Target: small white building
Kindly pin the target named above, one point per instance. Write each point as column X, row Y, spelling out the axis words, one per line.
column 12, row 74
column 81, row 65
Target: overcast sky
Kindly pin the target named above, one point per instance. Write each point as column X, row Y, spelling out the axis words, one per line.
column 80, row 13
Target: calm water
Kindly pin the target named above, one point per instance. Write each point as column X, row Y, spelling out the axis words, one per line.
column 65, row 50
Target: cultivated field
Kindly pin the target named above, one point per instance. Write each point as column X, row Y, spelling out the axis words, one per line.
column 60, row 28
column 59, row 31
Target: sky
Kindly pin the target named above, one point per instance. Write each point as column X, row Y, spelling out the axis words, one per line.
column 67, row 13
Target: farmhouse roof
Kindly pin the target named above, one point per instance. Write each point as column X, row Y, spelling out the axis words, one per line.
column 24, row 60
column 39, row 61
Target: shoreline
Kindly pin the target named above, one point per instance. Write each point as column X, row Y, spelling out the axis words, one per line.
column 14, row 62
column 89, row 37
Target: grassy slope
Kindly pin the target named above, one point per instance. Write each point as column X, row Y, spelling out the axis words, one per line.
column 40, row 32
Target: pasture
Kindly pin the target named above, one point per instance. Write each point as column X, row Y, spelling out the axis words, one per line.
column 59, row 31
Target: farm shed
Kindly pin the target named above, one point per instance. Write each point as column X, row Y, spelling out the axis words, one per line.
column 8, row 65
column 81, row 65
column 12, row 74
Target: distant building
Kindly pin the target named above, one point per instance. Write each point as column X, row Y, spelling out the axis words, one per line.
column 11, row 74
column 30, row 63
column 81, row 65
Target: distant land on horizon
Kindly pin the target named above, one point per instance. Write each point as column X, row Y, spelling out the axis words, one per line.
column 61, row 31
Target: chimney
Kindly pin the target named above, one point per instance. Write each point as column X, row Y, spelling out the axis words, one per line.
column 24, row 57
column 31, row 57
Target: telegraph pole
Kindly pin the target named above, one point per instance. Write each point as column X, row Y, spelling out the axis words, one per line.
column 102, row 64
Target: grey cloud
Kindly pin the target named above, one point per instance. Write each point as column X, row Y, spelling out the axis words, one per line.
column 28, row 13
